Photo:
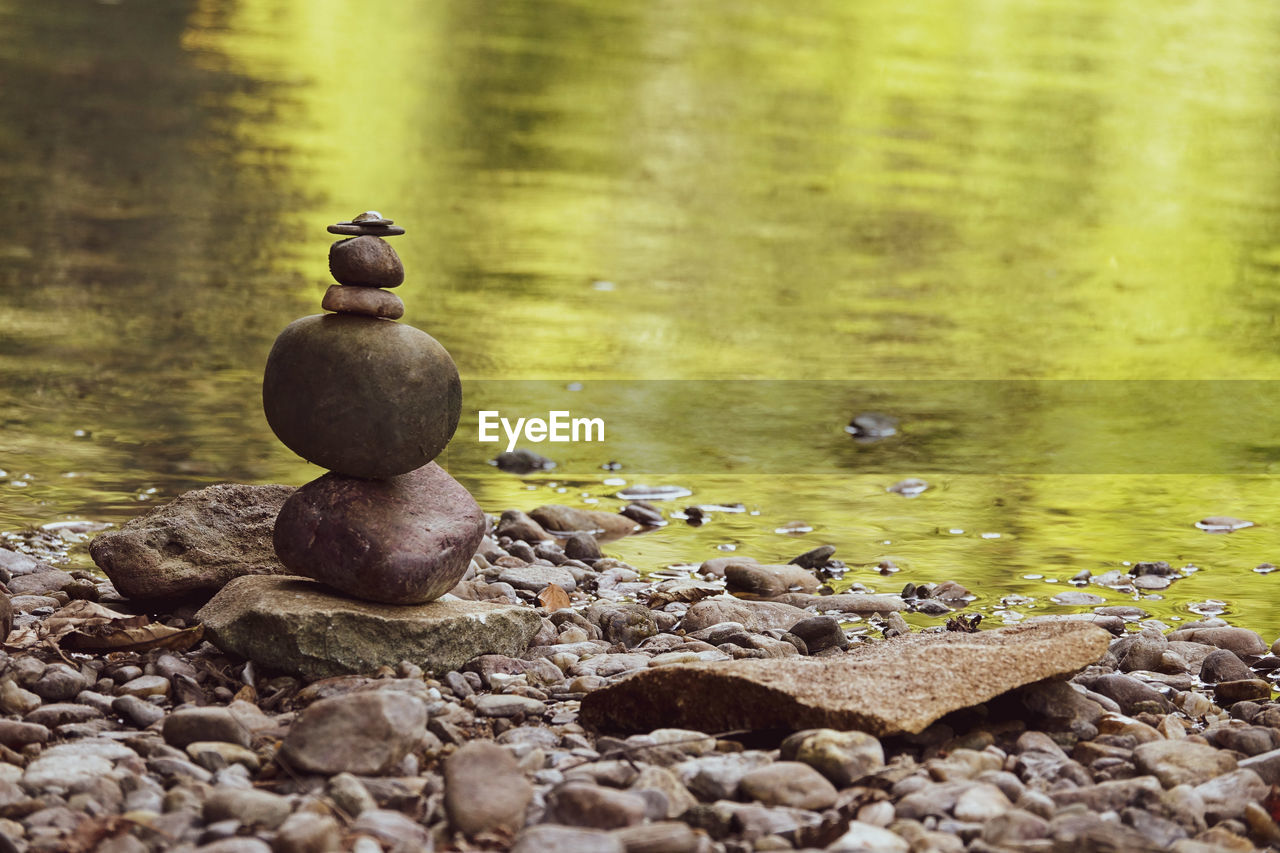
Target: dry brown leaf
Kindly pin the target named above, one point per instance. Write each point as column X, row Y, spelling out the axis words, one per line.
column 80, row 615
column 686, row 592
column 22, row 638
column 88, row 626
column 554, row 597
column 134, row 638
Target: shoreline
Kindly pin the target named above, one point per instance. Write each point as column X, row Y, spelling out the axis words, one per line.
column 1167, row 741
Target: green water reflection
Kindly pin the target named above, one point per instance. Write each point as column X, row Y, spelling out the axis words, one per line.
column 653, row 189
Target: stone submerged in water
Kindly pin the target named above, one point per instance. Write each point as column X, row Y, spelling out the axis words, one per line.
column 361, row 396
column 296, row 626
column 404, row 540
column 900, row 685
column 194, row 544
column 562, row 521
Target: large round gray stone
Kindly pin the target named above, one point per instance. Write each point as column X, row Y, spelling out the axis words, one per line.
column 361, row 395
column 404, row 540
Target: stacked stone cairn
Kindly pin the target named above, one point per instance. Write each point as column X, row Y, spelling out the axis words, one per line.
column 373, row 401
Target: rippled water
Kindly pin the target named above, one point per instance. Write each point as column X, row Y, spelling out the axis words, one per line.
column 978, row 202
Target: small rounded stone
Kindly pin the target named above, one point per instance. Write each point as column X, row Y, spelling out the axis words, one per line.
column 369, row 301
column 371, row 217
column 361, row 396
column 145, row 685
column 367, row 261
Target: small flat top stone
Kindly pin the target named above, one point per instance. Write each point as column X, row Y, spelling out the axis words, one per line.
column 359, row 229
column 899, row 685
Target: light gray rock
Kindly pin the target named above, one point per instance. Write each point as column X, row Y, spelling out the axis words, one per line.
column 1108, row 796
column 864, row 838
column 307, row 832
column 753, row 615
column 59, row 772
column 505, row 705
column 189, row 725
column 537, row 578
column 194, row 544
column 1225, row 796
column 842, row 757
column 788, row 783
column 1014, row 826
column 660, row 779
column 595, row 806
column 249, row 806
column 393, row 829
column 566, row 839
column 365, row 733
column 484, row 789
column 900, row 685
column 716, row 777
column 349, row 794
column 295, row 626
column 981, row 802
column 1179, row 762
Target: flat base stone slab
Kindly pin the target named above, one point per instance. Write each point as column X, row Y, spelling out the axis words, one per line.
column 295, row 626
column 884, row 688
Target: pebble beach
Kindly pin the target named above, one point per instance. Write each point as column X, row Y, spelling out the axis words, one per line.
column 730, row 710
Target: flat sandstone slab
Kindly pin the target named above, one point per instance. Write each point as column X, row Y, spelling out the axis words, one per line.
column 891, row 687
column 296, row 626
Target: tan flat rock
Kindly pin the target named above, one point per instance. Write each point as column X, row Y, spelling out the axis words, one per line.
column 300, row 627
column 883, row 688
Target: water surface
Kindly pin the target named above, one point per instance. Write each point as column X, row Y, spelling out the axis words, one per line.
column 979, row 201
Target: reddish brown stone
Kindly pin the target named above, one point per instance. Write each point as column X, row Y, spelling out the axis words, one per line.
column 370, row 301
column 404, row 540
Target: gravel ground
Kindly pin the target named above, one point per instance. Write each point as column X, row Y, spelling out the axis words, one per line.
column 1170, row 742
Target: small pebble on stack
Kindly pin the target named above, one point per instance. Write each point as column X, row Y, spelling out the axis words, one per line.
column 374, row 401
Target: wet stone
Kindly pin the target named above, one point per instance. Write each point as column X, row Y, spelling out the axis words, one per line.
column 1223, row 665
column 820, row 633
column 1229, row 692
